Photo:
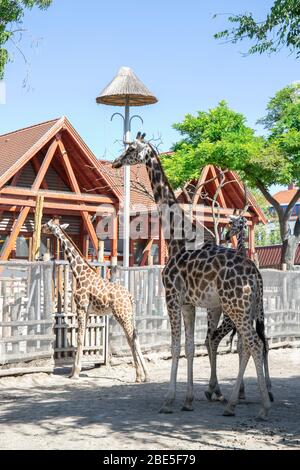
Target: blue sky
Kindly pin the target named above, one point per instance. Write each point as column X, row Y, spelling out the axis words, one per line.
column 170, row 46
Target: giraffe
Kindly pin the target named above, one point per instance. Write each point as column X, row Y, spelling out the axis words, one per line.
column 97, row 296
column 212, row 276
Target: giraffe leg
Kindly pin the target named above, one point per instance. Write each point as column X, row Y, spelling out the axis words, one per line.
column 242, row 395
column 174, row 311
column 230, row 408
column 213, row 339
column 130, row 333
column 188, row 312
column 82, row 320
column 141, row 357
column 258, row 357
column 252, row 345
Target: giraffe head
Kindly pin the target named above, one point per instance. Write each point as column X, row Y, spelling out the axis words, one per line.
column 135, row 152
column 237, row 225
column 53, row 227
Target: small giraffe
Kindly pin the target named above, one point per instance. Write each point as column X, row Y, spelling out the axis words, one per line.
column 97, row 296
column 214, row 277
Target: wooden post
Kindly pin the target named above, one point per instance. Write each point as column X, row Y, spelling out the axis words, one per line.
column 114, row 240
column 101, row 251
column 161, row 246
column 251, row 241
column 36, row 242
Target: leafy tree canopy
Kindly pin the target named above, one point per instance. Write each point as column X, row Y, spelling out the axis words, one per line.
column 11, row 13
column 280, row 28
column 221, row 137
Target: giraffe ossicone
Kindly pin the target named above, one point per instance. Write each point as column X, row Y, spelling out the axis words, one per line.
column 214, row 277
column 97, row 296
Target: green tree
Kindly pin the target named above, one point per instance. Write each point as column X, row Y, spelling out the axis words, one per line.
column 11, row 15
column 280, row 28
column 221, row 137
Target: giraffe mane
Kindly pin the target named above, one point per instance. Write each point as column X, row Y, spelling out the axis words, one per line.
column 77, row 249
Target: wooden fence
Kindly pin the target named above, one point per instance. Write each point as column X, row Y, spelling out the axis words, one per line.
column 65, row 324
column 26, row 321
column 281, row 303
column 38, row 319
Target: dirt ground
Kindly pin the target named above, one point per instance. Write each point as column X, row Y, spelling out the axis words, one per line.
column 106, row 410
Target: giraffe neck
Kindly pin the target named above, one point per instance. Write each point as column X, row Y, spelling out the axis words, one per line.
column 170, row 214
column 77, row 262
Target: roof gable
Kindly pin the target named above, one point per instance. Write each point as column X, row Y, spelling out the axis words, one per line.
column 19, row 147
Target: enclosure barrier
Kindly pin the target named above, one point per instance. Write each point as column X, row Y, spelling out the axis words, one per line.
column 281, row 305
column 26, row 317
column 38, row 317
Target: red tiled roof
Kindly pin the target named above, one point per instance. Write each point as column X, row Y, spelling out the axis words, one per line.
column 15, row 145
column 18, row 147
column 284, row 197
column 269, row 256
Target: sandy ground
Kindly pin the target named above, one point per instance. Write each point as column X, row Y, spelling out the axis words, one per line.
column 106, row 410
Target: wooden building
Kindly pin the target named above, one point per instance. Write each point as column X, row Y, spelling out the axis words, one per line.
column 51, row 160
column 231, row 196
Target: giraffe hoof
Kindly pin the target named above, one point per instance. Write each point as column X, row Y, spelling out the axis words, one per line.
column 165, row 409
column 187, row 407
column 228, row 412
column 74, row 376
column 262, row 416
column 147, row 379
column 271, row 396
column 218, row 397
column 138, row 380
column 208, row 395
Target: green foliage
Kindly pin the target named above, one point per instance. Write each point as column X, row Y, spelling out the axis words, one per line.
column 267, row 234
column 221, row 137
column 11, row 13
column 280, row 28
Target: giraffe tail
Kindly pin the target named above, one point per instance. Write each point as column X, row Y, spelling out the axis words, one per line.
column 260, row 329
column 137, row 345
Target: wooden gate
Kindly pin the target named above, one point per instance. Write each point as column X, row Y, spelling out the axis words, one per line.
column 65, row 326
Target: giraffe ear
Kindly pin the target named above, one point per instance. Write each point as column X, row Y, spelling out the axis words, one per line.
column 138, row 136
column 64, row 226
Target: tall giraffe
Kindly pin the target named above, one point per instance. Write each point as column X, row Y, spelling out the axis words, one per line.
column 212, row 276
column 97, row 296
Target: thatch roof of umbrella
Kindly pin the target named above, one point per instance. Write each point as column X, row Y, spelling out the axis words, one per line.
column 126, row 89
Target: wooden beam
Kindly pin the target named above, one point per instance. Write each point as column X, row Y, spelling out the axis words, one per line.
column 5, row 202
column 161, row 246
column 251, row 242
column 10, row 243
column 146, row 252
column 98, row 199
column 16, row 178
column 75, row 187
column 37, row 166
column 217, row 184
column 45, row 165
column 114, row 240
column 36, row 239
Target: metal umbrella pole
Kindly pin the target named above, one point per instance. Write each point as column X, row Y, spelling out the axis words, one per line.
column 126, row 90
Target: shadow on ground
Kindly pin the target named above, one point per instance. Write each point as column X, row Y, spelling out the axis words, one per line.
column 130, row 411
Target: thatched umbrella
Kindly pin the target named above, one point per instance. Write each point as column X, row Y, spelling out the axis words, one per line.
column 127, row 90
